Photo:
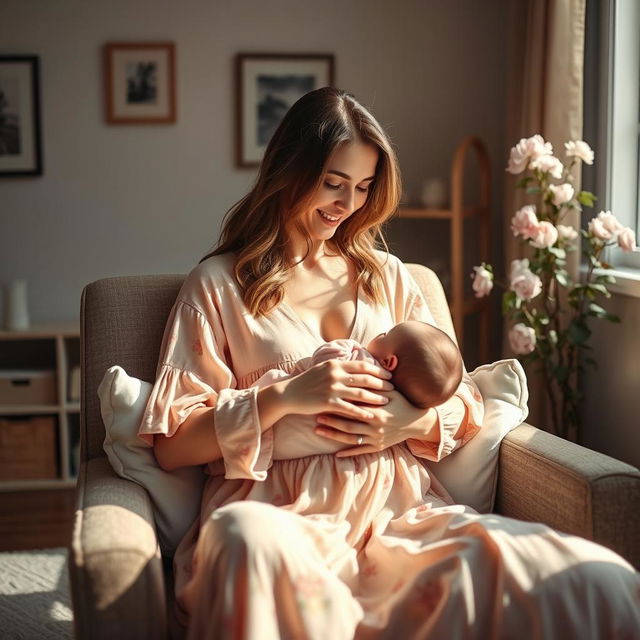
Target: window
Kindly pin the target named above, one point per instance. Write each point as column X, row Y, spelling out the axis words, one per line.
column 613, row 32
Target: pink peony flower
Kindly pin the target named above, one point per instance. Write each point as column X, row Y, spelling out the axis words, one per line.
column 548, row 164
column 561, row 194
column 482, row 281
column 526, row 284
column 525, row 222
column 627, row 239
column 579, row 149
column 609, row 222
column 522, row 339
column 598, row 230
column 567, row 233
column 525, row 150
column 518, row 267
column 546, row 235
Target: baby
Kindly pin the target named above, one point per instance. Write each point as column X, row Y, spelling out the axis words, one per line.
column 426, row 367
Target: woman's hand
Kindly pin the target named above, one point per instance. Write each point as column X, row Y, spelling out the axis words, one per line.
column 338, row 387
column 394, row 423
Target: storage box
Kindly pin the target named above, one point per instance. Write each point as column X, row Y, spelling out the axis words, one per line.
column 28, row 387
column 28, row 448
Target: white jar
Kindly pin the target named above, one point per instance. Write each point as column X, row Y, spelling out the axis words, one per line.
column 16, row 309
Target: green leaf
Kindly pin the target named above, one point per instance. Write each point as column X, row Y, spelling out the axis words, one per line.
column 579, row 333
column 606, row 278
column 553, row 337
column 596, row 310
column 563, row 278
column 533, row 189
column 586, row 198
column 508, row 302
column 600, row 288
column 557, row 252
column 523, row 182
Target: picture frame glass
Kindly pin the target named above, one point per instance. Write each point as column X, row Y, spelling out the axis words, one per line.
column 19, row 148
column 269, row 87
column 138, row 80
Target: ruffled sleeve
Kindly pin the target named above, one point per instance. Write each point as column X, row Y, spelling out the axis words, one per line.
column 193, row 372
column 460, row 417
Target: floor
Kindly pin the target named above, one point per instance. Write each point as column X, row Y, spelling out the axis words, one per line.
column 36, row 519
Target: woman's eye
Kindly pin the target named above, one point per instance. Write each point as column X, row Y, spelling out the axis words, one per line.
column 363, row 189
column 332, row 186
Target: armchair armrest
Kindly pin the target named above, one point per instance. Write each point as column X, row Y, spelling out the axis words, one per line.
column 117, row 583
column 544, row 478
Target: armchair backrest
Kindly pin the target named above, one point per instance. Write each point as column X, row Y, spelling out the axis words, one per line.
column 122, row 322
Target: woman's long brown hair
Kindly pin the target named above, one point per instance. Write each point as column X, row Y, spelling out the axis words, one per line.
column 290, row 174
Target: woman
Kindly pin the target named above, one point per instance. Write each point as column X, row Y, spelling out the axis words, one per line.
column 377, row 549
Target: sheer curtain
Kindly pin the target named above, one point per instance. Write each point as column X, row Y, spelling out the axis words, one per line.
column 545, row 63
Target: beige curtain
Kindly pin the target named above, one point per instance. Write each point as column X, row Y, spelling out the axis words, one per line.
column 544, row 95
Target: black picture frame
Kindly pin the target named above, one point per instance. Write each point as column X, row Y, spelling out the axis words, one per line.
column 20, row 124
column 267, row 84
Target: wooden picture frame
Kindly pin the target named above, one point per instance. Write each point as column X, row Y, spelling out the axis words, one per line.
column 20, row 128
column 267, row 84
column 140, row 82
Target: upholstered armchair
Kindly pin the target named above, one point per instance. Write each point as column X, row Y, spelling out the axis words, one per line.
column 122, row 586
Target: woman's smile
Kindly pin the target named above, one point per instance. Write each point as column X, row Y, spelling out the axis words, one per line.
column 332, row 221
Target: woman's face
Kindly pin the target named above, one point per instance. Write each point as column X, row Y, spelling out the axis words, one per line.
column 344, row 189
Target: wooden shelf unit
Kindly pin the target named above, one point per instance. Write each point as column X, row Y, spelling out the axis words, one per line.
column 56, row 346
column 456, row 215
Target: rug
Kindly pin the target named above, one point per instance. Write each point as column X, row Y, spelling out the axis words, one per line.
column 34, row 595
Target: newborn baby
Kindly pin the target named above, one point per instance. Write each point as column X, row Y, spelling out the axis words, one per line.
column 426, row 367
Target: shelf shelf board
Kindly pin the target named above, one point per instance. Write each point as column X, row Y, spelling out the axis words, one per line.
column 72, row 407
column 22, row 485
column 33, row 409
column 67, row 329
column 437, row 214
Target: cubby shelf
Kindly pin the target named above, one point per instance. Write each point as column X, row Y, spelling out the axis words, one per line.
column 56, row 347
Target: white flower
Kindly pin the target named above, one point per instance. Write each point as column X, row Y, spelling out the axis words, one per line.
column 598, row 230
column 548, row 164
column 527, row 149
column 567, row 233
column 561, row 194
column 546, row 235
column 525, row 222
column 526, row 284
column 522, row 339
column 482, row 281
column 579, row 149
column 610, row 222
column 627, row 239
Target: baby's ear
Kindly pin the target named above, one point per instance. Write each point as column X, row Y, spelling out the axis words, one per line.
column 390, row 362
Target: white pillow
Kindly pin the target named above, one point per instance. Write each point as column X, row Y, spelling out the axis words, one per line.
column 469, row 474
column 176, row 494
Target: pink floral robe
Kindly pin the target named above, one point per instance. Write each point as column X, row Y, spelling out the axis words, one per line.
column 368, row 546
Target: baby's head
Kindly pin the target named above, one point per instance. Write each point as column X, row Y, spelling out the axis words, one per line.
column 426, row 363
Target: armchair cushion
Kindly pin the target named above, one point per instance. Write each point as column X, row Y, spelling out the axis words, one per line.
column 470, row 473
column 175, row 494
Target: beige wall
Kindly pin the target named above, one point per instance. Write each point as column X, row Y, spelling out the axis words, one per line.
column 141, row 199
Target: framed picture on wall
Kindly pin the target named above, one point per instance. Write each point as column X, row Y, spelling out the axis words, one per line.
column 20, row 138
column 267, row 84
column 140, row 82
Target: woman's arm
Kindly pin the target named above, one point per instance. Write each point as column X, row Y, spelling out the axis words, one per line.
column 322, row 388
